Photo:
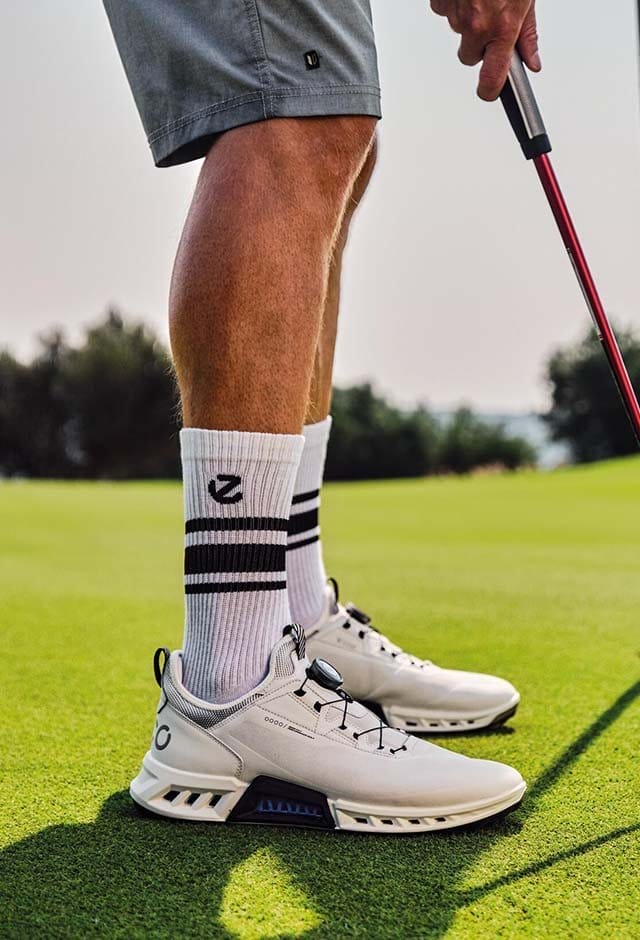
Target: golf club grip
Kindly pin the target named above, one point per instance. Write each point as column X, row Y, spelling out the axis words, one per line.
column 523, row 112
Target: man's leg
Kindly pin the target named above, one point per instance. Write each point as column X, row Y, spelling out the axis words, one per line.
column 425, row 697
column 306, row 574
column 248, row 291
column 251, row 282
column 322, row 381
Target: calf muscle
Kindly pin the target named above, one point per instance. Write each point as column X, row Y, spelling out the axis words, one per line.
column 252, row 270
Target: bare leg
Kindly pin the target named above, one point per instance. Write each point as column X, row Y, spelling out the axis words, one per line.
column 253, row 269
column 321, row 382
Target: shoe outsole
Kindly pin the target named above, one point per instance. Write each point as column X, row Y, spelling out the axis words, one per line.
column 168, row 792
column 502, row 719
column 464, row 827
column 430, row 724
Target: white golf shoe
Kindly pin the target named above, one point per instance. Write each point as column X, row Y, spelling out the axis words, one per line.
column 407, row 692
column 298, row 750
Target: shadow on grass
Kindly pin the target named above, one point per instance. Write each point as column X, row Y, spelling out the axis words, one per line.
column 499, row 731
column 130, row 875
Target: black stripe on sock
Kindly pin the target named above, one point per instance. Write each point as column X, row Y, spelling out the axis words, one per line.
column 303, row 497
column 228, row 587
column 314, row 538
column 210, row 559
column 237, row 524
column 302, row 522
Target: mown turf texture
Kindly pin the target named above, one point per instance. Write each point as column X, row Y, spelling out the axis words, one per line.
column 532, row 576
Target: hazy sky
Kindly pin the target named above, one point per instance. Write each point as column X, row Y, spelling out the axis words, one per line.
column 457, row 285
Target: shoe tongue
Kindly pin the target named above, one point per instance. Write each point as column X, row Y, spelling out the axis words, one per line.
column 375, row 642
column 382, row 644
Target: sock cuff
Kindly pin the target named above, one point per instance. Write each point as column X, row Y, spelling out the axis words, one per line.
column 202, row 444
column 317, row 435
column 311, row 468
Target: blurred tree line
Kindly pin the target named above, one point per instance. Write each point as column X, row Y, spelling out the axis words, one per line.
column 371, row 439
column 107, row 408
column 586, row 409
column 104, row 409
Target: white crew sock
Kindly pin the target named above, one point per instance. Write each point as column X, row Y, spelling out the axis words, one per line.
column 237, row 496
column 306, row 577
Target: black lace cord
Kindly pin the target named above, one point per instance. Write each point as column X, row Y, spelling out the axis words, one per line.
column 343, row 697
column 403, row 747
column 348, row 700
column 381, row 728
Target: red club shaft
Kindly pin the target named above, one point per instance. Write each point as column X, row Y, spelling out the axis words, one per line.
column 600, row 319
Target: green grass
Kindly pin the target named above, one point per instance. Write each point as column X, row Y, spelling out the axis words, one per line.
column 532, row 576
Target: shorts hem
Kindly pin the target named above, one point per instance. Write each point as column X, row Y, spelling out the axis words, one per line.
column 191, row 137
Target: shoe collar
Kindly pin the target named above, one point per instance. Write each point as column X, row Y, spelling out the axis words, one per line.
column 287, row 661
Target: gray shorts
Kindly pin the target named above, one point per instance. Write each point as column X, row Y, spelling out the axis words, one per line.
column 201, row 67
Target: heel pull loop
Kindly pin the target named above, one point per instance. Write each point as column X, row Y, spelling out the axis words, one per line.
column 158, row 671
column 296, row 632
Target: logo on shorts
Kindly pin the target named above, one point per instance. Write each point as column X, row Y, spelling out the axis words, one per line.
column 312, row 59
column 225, row 493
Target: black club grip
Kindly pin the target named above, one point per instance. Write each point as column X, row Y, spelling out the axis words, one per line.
column 523, row 112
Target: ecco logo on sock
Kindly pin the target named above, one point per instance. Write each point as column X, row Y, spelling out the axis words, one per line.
column 224, row 493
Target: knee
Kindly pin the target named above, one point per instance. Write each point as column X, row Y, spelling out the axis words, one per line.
column 310, row 157
column 337, row 152
column 344, row 145
column 310, row 165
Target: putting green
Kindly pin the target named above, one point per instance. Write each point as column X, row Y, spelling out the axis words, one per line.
column 533, row 576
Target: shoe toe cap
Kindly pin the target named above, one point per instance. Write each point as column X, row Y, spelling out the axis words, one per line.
column 495, row 780
column 484, row 781
column 479, row 692
column 453, row 781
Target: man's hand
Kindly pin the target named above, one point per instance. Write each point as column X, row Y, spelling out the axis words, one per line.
column 489, row 31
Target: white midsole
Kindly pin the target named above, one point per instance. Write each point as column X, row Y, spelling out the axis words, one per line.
column 366, row 818
column 179, row 794
column 433, row 721
column 217, row 794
